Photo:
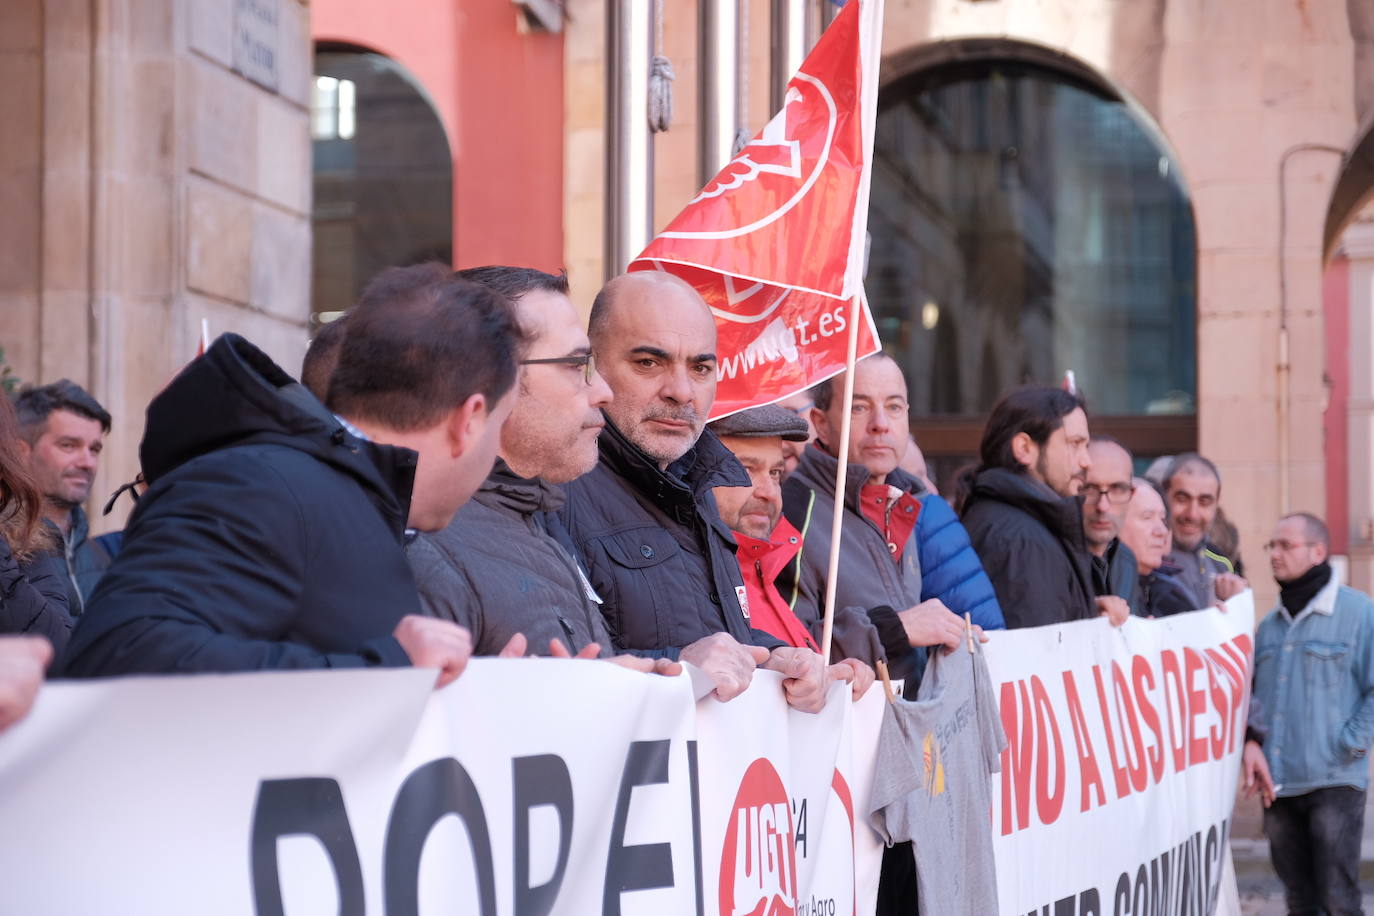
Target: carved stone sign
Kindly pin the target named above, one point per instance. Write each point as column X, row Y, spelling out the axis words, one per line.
column 255, row 40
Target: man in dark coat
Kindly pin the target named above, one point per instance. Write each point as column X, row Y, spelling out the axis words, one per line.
column 271, row 533
column 497, row 569
column 1022, row 512
column 1107, row 490
column 644, row 521
column 62, row 432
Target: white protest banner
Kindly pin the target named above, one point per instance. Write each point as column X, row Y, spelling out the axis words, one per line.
column 527, row 786
column 781, row 829
column 1123, row 757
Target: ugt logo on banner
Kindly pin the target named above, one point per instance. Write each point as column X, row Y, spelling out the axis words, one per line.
column 775, row 242
column 758, row 868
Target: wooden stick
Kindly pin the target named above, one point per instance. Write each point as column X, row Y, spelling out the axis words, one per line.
column 968, row 630
column 887, row 681
column 841, row 476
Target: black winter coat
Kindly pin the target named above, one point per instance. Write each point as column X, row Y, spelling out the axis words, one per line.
column 269, row 537
column 33, row 596
column 1031, row 543
column 655, row 547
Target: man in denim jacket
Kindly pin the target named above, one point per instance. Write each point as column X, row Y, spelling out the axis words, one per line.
column 1312, row 721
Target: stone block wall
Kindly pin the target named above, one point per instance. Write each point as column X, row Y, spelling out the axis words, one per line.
column 154, row 185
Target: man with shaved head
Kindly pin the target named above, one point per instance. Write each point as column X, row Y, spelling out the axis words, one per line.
column 644, row 520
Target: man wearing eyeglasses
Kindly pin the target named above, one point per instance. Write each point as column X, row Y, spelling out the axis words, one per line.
column 1312, row 721
column 1107, row 490
column 496, row 569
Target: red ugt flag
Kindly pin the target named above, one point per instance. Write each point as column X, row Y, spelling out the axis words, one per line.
column 775, row 242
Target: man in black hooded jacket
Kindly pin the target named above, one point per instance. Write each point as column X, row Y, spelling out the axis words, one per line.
column 1023, row 515
column 272, row 532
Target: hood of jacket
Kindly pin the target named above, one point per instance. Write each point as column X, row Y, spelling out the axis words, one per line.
column 817, row 469
column 235, row 395
column 504, row 489
column 1062, row 516
column 707, row 464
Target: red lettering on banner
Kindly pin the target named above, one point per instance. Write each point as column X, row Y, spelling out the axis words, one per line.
column 1049, row 804
column 1125, row 711
column 1175, row 708
column 1089, row 774
column 1016, row 759
column 1197, row 705
column 1225, row 699
column 1217, row 733
column 1144, row 679
column 1122, row 779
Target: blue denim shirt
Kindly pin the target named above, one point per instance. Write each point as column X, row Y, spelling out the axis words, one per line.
column 1314, row 691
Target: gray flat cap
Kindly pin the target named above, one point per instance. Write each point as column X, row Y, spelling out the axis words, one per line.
column 758, row 422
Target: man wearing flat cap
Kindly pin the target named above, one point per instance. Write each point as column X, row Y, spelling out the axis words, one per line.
column 767, row 542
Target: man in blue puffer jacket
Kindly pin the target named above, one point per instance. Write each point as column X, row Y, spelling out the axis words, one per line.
column 950, row 569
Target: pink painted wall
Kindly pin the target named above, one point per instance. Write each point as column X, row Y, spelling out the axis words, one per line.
column 499, row 95
column 1335, row 424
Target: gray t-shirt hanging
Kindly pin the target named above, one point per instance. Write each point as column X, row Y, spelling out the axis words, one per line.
column 932, row 784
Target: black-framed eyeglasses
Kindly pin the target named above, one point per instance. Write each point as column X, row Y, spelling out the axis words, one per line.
column 1116, row 492
column 585, row 362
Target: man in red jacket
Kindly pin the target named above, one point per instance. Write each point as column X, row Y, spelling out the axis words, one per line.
column 766, row 541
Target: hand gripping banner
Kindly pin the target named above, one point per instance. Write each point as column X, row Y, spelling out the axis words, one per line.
column 775, row 242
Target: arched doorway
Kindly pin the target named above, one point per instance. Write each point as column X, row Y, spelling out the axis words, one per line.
column 1027, row 220
column 383, row 175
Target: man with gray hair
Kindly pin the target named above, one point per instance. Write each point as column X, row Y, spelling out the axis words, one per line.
column 1312, row 721
column 62, row 432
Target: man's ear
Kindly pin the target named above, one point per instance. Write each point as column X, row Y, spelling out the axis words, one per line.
column 465, row 424
column 820, row 423
column 1024, row 449
column 24, row 448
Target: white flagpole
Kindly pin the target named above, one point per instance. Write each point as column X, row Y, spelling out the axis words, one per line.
column 841, row 474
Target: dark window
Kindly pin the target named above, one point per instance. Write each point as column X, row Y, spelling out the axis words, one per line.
column 1025, row 222
column 383, row 175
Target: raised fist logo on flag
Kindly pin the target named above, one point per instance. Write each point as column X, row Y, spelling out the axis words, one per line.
column 775, row 242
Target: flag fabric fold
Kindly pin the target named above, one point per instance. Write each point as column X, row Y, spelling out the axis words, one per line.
column 775, row 242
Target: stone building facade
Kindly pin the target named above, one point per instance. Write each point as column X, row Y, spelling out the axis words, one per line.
column 155, row 173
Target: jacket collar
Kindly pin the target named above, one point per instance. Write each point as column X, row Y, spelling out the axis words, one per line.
column 1324, row 603
column 818, row 468
column 1061, row 515
column 772, row 554
column 504, row 489
column 707, row 464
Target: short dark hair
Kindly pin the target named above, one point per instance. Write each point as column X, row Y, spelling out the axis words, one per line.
column 823, row 393
column 420, row 342
column 1190, row 460
column 322, row 356
column 516, row 282
column 1036, row 410
column 35, row 403
column 1316, row 528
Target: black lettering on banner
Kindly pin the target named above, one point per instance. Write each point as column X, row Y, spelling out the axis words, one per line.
column 799, row 818
column 1121, row 898
column 435, row 790
column 1089, row 903
column 694, row 780
column 541, row 779
column 303, row 807
column 649, row 865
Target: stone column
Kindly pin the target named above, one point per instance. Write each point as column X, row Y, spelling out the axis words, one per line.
column 1358, row 244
